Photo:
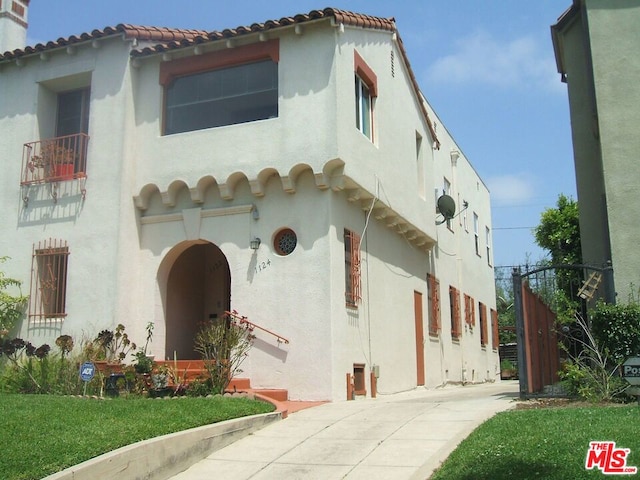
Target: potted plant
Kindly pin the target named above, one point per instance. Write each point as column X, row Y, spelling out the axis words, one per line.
column 507, row 369
column 114, row 346
column 55, row 160
column 160, row 382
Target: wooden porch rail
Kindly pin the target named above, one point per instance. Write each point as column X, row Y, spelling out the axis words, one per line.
column 243, row 320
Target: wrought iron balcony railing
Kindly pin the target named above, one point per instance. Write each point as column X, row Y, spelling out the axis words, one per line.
column 55, row 159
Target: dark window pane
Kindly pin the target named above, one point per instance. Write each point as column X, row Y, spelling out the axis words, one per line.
column 244, row 93
column 73, row 112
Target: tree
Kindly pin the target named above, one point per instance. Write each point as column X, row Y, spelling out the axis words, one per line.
column 559, row 232
column 504, row 306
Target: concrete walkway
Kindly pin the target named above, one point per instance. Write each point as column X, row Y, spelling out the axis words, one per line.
column 400, row 436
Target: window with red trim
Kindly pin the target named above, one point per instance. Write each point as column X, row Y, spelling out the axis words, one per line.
column 433, row 286
column 469, row 311
column 454, row 304
column 221, row 88
column 482, row 312
column 495, row 341
column 352, row 292
column 366, row 89
column 48, row 296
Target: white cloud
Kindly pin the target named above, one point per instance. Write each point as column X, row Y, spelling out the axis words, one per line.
column 512, row 189
column 520, row 63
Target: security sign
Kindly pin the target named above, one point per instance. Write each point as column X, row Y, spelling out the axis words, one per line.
column 87, row 371
column 631, row 370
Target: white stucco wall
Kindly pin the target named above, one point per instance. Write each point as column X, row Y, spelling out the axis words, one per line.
column 456, row 263
column 305, row 170
column 91, row 227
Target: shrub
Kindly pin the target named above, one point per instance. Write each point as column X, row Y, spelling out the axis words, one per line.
column 199, row 388
column 617, row 329
column 11, row 305
column 27, row 369
column 223, row 345
column 591, row 374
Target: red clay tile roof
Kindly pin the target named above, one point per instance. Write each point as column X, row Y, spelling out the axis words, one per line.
column 154, row 34
column 341, row 16
column 174, row 38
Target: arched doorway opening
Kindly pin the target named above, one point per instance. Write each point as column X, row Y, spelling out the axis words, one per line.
column 198, row 289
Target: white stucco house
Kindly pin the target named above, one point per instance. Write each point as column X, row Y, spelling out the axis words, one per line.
column 288, row 170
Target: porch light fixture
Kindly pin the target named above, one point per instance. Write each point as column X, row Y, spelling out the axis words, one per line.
column 255, row 243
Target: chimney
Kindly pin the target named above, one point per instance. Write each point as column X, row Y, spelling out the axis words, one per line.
column 13, row 24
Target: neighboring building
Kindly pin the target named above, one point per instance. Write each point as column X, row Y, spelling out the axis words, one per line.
column 288, row 171
column 596, row 45
column 13, row 24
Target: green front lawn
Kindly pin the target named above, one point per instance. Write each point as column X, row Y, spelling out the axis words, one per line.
column 44, row 434
column 546, row 443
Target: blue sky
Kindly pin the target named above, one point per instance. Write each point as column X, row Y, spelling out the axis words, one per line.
column 487, row 67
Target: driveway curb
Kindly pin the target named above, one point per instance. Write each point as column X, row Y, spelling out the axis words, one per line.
column 162, row 457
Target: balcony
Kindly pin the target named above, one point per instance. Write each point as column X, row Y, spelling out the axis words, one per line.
column 55, row 159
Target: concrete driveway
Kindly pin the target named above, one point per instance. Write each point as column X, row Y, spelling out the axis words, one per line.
column 400, row 436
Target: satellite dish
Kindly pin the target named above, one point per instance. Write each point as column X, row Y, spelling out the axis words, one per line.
column 446, row 207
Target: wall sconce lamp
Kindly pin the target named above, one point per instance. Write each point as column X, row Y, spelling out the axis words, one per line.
column 255, row 243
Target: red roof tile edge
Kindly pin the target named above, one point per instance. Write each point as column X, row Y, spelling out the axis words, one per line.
column 171, row 38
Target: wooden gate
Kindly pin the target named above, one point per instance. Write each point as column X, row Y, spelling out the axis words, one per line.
column 542, row 352
column 536, row 321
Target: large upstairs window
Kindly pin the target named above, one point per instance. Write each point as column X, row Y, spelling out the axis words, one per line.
column 227, row 96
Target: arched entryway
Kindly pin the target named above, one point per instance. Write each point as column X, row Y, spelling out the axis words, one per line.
column 198, row 288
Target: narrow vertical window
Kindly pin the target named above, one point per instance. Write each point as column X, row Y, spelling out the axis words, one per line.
column 476, row 232
column 433, row 286
column 454, row 304
column 465, row 221
column 366, row 89
column 495, row 334
column 446, row 190
column 469, row 311
column 482, row 313
column 363, row 108
column 48, row 296
column 352, row 268
column 420, row 167
column 488, row 241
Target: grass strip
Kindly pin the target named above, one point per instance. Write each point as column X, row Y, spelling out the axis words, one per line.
column 547, row 443
column 45, row 434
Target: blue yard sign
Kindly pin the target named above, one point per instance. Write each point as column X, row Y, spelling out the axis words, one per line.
column 87, row 371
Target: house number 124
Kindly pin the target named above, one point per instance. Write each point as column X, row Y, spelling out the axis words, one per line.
column 262, row 266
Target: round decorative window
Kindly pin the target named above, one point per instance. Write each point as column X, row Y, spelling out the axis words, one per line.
column 285, row 241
